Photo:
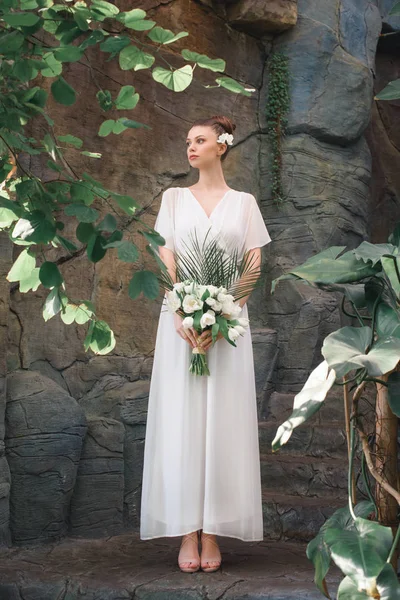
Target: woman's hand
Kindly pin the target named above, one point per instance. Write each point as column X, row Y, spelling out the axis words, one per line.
column 189, row 335
column 205, row 338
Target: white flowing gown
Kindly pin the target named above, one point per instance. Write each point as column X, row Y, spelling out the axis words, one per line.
column 201, row 458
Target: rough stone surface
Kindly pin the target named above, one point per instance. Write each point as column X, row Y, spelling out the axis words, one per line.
column 259, row 18
column 126, row 568
column 44, row 433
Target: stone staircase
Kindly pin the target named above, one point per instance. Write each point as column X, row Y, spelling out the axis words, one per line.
column 306, row 480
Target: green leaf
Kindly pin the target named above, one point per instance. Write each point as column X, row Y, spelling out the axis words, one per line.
column 133, row 58
column 84, row 232
column 49, row 275
column 23, row 266
column 387, row 586
column 100, row 338
column 361, row 554
column 132, row 124
column 69, row 246
column 95, row 248
column 389, row 92
column 387, row 321
column 35, row 228
column 177, row 80
column 115, row 43
column 394, row 237
column 135, row 19
column 105, row 100
column 11, row 42
column 234, row 86
column 70, row 139
column 101, row 10
column 83, row 213
column 126, row 203
column 344, row 350
column 82, row 192
column 155, row 239
column 394, row 392
column 127, row 98
column 25, row 70
column 109, row 223
column 127, row 251
column 106, row 127
column 91, row 154
column 52, row 305
column 374, row 252
column 306, row 402
column 203, row 61
column 146, row 282
column 21, row 19
column 68, row 54
column 54, row 67
column 391, row 267
column 159, row 35
column 32, row 282
column 63, row 92
column 68, row 315
column 83, row 314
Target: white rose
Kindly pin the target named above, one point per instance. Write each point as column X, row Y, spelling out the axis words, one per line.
column 237, row 309
column 189, row 289
column 217, row 306
column 173, row 301
column 179, row 287
column 229, row 297
column 233, row 334
column 212, row 289
column 187, row 322
column 228, row 307
column 243, row 321
column 221, row 297
column 210, row 301
column 200, row 290
column 241, row 330
column 207, row 319
column 191, row 303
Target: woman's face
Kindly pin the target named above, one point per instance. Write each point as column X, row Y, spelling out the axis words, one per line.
column 202, row 147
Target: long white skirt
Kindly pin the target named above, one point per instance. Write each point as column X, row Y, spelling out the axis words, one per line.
column 201, row 459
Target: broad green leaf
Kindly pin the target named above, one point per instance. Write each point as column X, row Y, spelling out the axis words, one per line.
column 392, row 268
column 106, row 127
column 21, row 19
column 11, row 42
column 94, row 38
column 306, row 402
column 118, row 127
column 177, row 80
column 52, row 305
column 387, row 586
column 81, row 192
column 84, row 232
column 68, row 315
column 83, row 314
column 128, row 252
column 109, row 223
column 394, row 392
column 135, row 19
column 203, row 61
column 95, row 248
column 115, row 44
column 101, row 10
column 63, row 92
column 25, row 70
column 127, row 98
column 67, row 244
column 146, row 282
column 374, row 252
column 81, row 17
column 100, row 338
column 49, row 275
column 32, row 282
column 318, row 550
column 344, row 350
column 390, row 92
column 114, row 241
column 68, row 54
column 132, row 57
column 395, row 10
column 394, row 237
column 132, row 124
column 35, row 228
column 54, row 67
column 105, row 99
column 71, row 139
column 234, row 86
column 387, row 321
column 155, row 239
column 159, row 35
column 84, row 214
column 361, row 554
column 126, row 203
column 23, row 266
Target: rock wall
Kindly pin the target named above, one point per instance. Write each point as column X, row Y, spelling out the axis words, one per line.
column 94, row 452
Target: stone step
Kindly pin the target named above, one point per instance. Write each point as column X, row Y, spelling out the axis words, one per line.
column 310, row 439
column 305, row 476
column 296, row 518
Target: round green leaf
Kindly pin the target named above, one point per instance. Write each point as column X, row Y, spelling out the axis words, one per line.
column 128, row 252
column 63, row 92
column 52, row 304
column 68, row 315
column 159, row 35
column 127, row 98
column 177, row 80
column 68, row 54
column 23, row 266
column 70, row 139
column 81, row 192
column 106, row 128
column 35, row 228
column 214, row 64
column 54, row 67
column 115, row 43
column 126, row 203
column 84, row 232
column 109, row 223
column 84, row 214
column 100, row 338
column 95, row 249
column 133, row 58
column 10, row 42
column 146, row 282
column 49, row 275
column 21, row 19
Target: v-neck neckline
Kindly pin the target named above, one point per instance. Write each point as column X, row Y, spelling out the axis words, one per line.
column 215, row 207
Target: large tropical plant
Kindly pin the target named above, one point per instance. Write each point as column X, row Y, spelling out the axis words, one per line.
column 37, row 39
column 361, row 538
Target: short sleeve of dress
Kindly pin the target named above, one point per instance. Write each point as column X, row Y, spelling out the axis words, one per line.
column 256, row 232
column 164, row 224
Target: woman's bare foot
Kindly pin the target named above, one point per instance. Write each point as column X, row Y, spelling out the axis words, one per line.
column 189, row 558
column 210, row 553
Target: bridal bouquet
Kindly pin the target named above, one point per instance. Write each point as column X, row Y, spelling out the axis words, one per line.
column 210, row 281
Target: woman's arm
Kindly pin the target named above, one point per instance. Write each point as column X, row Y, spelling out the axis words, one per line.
column 254, row 258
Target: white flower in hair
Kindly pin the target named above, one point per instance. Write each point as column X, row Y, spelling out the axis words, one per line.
column 225, row 138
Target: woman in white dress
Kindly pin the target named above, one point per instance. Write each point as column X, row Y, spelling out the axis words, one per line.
column 201, row 474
